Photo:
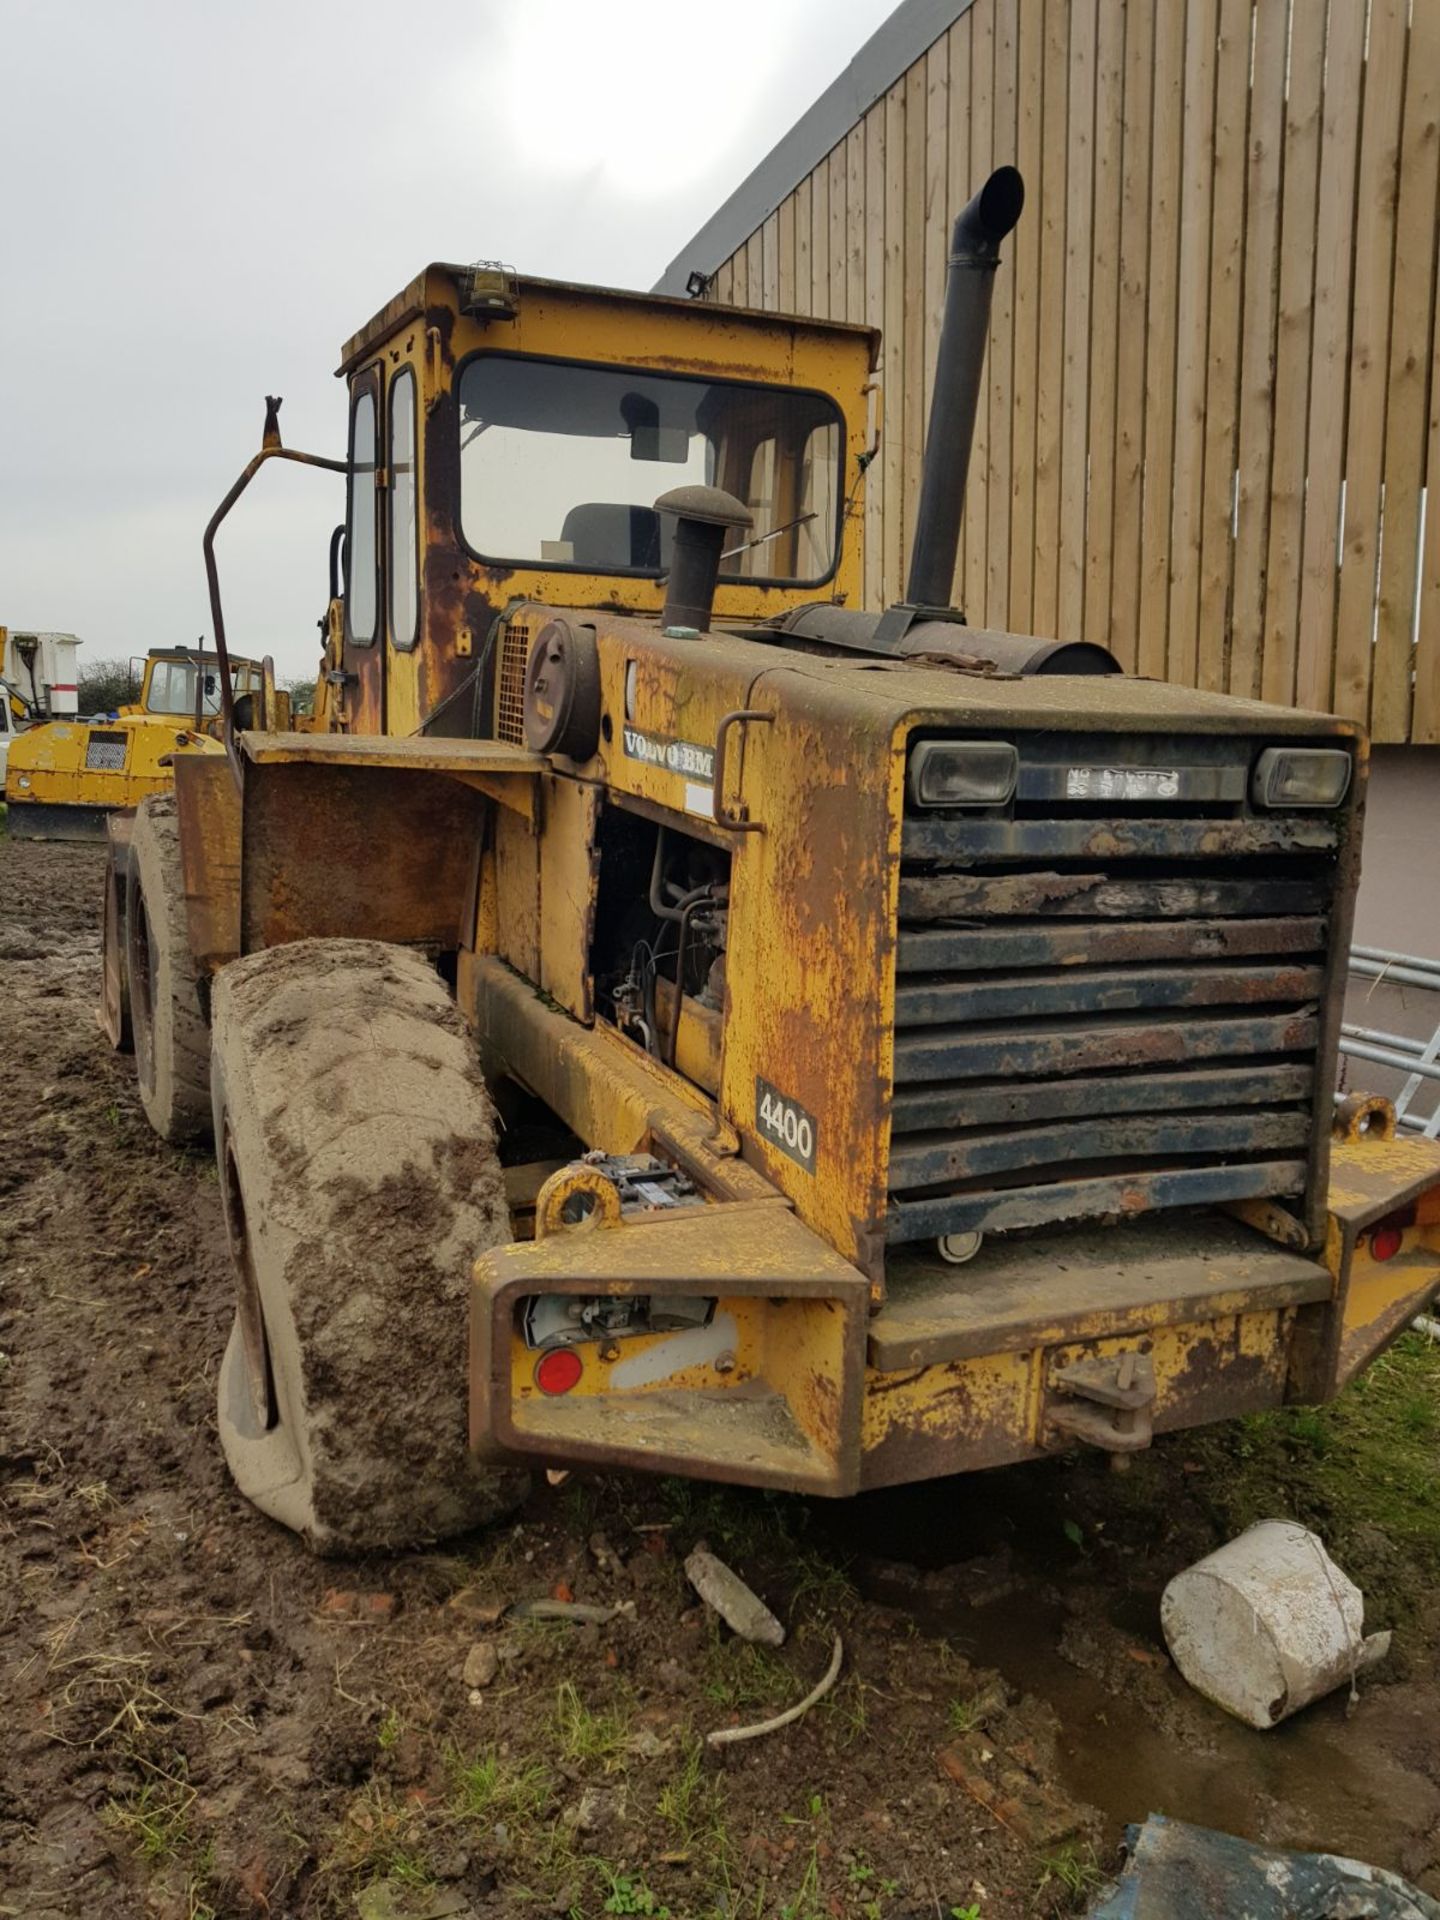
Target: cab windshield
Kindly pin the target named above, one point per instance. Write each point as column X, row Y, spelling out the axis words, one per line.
column 561, row 464
column 172, row 688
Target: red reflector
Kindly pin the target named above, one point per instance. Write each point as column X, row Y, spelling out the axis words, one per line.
column 558, row 1370
column 1385, row 1242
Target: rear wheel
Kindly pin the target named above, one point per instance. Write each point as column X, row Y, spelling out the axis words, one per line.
column 356, row 1143
column 172, row 1041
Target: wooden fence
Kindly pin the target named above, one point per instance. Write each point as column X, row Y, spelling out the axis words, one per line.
column 1211, row 408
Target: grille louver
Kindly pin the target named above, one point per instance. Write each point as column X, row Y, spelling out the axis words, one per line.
column 1106, row 1008
column 510, row 696
column 105, row 753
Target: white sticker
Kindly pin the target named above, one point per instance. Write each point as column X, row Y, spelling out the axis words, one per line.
column 1122, row 783
column 694, row 1347
column 700, row 800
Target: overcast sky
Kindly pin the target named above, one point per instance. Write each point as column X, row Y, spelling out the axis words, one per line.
column 200, row 202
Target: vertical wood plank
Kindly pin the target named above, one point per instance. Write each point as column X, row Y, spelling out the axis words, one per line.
column 1192, row 341
column 785, row 281
column 770, row 262
column 1222, row 390
column 978, row 610
column 1425, row 721
column 937, row 157
column 875, row 317
column 1257, row 344
column 1075, row 424
column 755, row 264
column 1104, row 315
column 914, row 342
column 1408, row 393
column 1130, row 334
column 820, row 240
column 1049, row 215
column 839, row 240
column 1292, row 352
column 855, row 223
column 1169, row 101
column 722, row 284
column 804, row 290
column 957, row 192
column 1369, row 357
column 1023, row 266
column 1330, row 348
column 741, row 259
column 1002, row 335
column 892, row 451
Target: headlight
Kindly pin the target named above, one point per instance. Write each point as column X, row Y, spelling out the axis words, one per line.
column 962, row 773
column 1301, row 777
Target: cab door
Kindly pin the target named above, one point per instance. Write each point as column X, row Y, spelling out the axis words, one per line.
column 364, row 651
column 400, row 506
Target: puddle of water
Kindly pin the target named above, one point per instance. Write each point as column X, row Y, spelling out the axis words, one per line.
column 1326, row 1780
column 1302, row 1784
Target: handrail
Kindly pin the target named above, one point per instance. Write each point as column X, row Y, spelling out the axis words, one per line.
column 270, row 449
column 1419, row 1060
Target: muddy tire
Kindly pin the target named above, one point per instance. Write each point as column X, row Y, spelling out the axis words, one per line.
column 356, row 1144
column 167, row 1016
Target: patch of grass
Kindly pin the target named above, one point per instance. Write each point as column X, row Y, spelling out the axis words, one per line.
column 740, row 1673
column 586, row 1734
column 819, row 1587
column 491, row 1788
column 628, row 1894
column 805, row 1903
column 1068, row 1877
column 692, row 1806
column 846, row 1709
column 154, row 1820
column 389, row 1730
column 963, row 1716
column 735, row 1520
column 378, row 1839
column 1360, row 1471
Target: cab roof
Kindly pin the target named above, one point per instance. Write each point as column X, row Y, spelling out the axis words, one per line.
column 423, row 292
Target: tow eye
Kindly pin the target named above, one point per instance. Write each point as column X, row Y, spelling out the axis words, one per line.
column 1106, row 1401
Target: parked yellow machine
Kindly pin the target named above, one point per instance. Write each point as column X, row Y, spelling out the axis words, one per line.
column 65, row 776
column 820, row 1048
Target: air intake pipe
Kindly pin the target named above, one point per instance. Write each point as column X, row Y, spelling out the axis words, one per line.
column 974, row 256
column 704, row 517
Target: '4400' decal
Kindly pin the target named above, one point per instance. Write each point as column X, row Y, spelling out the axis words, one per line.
column 785, row 1124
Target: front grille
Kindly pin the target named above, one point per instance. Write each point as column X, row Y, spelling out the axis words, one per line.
column 510, row 702
column 105, row 753
column 1106, row 1006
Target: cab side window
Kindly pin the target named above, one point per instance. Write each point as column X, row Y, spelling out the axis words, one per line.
column 403, row 533
column 360, row 608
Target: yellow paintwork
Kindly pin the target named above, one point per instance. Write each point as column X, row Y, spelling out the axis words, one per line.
column 793, row 1255
column 47, row 763
column 1374, row 1181
column 767, row 1393
column 609, row 328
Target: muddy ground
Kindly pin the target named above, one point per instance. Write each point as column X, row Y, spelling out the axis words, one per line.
column 201, row 1720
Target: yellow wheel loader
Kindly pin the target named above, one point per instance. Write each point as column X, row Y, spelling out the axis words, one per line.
column 675, row 1017
column 67, row 775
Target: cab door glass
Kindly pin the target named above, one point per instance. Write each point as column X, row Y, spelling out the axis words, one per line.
column 360, row 607
column 403, row 531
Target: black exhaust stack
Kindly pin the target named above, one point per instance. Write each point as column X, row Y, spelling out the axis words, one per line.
column 974, row 256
